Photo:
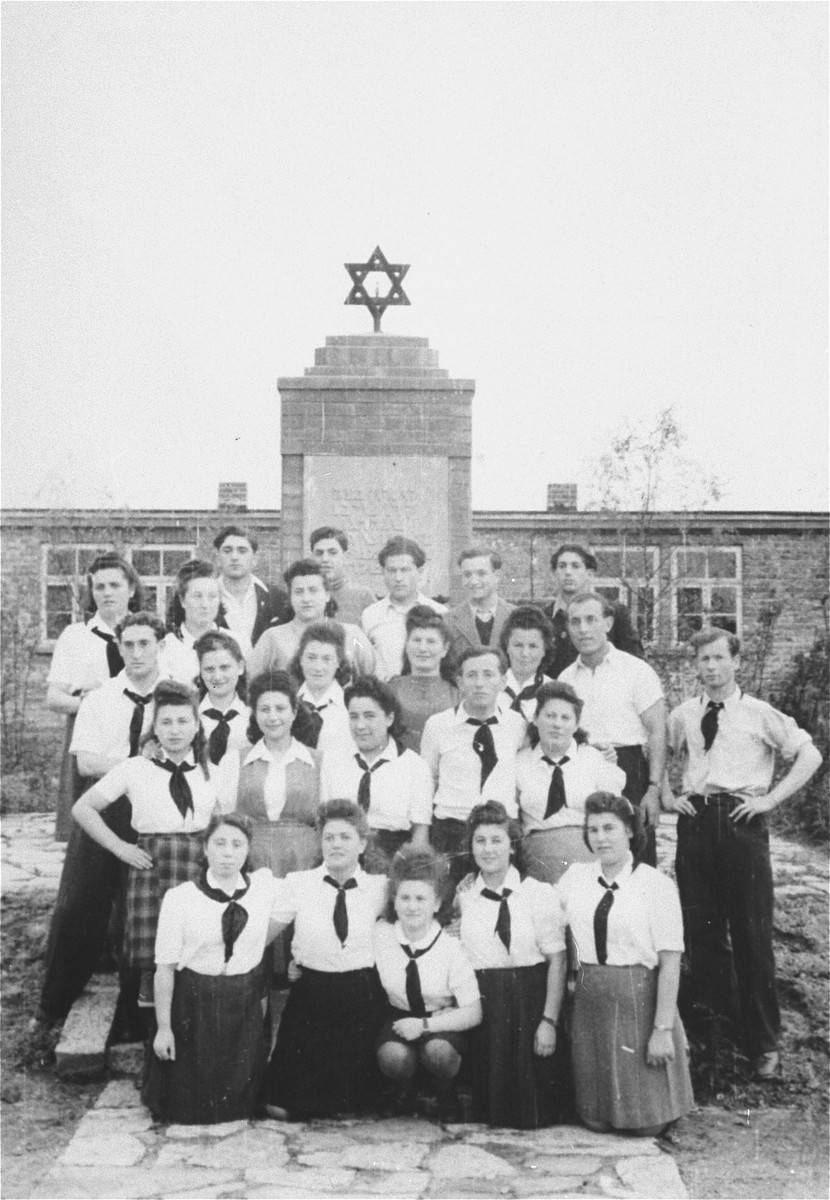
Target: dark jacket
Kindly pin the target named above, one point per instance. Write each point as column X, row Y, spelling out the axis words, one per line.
column 272, row 607
column 623, row 635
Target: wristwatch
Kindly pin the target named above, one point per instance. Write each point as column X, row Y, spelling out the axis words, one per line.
column 664, row 1028
column 426, row 1024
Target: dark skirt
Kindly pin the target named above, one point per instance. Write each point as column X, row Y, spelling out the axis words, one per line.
column 458, row 1041
column 511, row 1085
column 221, row 1050
column 90, row 898
column 613, row 1019
column 549, row 852
column 324, row 1060
column 177, row 858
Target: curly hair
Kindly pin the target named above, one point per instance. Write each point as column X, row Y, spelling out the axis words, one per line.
column 414, row 864
column 343, row 810
column 221, row 639
column 235, row 821
column 606, row 802
column 369, row 687
column 169, row 693
column 493, row 812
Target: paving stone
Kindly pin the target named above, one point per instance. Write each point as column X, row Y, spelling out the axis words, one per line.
column 81, row 1051
column 119, row 1094
column 313, row 1141
column 384, row 1157
column 401, row 1129
column 383, row 1183
column 468, row 1162
column 270, row 1192
column 337, row 1181
column 499, row 1137
column 321, row 1158
column 609, row 1185
column 190, row 1132
column 131, row 1183
column 562, row 1164
column 250, row 1149
column 652, row 1179
column 115, row 1150
column 218, row 1192
column 98, row 1121
column 549, row 1185
column 466, row 1189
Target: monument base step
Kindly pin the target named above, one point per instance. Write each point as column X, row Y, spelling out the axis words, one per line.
column 81, row 1052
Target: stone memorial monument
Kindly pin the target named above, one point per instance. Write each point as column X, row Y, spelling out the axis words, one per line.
column 376, row 439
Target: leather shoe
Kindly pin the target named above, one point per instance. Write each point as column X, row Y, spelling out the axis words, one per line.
column 766, row 1066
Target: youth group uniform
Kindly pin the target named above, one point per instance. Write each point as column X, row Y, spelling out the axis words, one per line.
column 395, row 793
column 552, row 812
column 178, row 658
column 623, row 635
column 324, row 1062
column 522, row 699
column 85, row 656
column 335, row 733
column 616, row 1000
column 508, row 938
column 226, row 730
column 385, row 626
column 216, row 942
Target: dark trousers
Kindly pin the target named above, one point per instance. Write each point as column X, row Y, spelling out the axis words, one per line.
column 725, row 881
column 86, row 915
column 632, row 760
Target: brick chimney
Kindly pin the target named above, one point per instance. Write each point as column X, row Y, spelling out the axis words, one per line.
column 233, row 497
column 561, row 497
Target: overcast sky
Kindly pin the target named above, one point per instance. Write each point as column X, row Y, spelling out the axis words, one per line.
column 608, row 209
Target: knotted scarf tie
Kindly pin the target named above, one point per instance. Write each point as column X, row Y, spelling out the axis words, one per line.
column 503, row 919
column 179, row 787
column 115, row 663
column 484, row 745
column 341, row 915
column 364, row 790
column 709, row 724
column 235, row 917
column 556, row 789
column 527, row 693
column 601, row 921
column 137, row 719
column 414, row 995
column 218, row 740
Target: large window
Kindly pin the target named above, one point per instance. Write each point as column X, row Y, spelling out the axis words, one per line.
column 63, row 574
column 629, row 575
column 706, row 590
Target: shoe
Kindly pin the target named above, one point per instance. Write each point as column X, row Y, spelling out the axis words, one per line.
column 767, row 1066
column 449, row 1110
column 399, row 1101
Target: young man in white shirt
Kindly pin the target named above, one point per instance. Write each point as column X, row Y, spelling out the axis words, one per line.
column 110, row 724
column 480, row 619
column 471, row 751
column 384, row 622
column 728, row 742
column 624, row 706
column 248, row 605
column 330, row 546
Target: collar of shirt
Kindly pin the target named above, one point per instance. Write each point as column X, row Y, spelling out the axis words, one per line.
column 510, row 681
column 188, row 758
column 122, row 680
column 608, row 660
column 571, row 752
column 461, row 715
column 431, row 933
column 96, row 622
column 731, row 701
column 222, row 884
column 225, row 595
column 488, row 610
column 623, row 876
column 205, row 703
column 512, row 880
column 389, row 751
column 391, row 606
column 296, row 752
column 359, row 876
column 332, row 695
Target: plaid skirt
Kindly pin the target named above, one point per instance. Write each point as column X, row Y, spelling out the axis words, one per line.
column 177, row 858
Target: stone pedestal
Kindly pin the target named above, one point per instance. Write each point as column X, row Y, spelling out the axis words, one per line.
column 376, row 439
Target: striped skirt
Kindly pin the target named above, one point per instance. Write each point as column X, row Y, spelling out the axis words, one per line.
column 613, row 1019
column 177, row 858
column 220, row 1051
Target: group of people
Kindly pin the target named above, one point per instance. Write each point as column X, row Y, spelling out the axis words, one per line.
column 435, row 826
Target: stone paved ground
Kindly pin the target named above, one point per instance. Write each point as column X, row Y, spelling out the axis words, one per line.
column 117, row 1152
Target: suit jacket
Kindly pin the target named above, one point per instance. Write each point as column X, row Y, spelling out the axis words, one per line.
column 623, row 635
column 462, row 626
column 272, row 607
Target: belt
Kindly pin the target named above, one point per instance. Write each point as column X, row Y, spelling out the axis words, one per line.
column 716, row 798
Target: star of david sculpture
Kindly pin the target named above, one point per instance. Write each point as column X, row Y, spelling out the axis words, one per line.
column 377, row 305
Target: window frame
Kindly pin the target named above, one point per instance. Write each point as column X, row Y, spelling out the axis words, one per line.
column 707, row 583
column 161, row 580
column 633, row 583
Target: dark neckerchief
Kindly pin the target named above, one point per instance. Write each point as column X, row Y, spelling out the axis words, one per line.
column 235, row 917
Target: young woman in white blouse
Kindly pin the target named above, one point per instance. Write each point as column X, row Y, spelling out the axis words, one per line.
column 324, row 1061
column 209, row 1052
column 429, row 982
column 193, row 612
column 321, row 668
column 173, row 798
column 223, row 710
column 513, row 933
column 526, row 640
column 628, row 1044
column 553, row 779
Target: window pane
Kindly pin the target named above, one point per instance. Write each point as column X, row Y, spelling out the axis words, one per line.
column 689, row 612
column 723, row 564
column 644, row 605
column 147, row 562
column 58, row 608
column 691, row 563
column 173, row 559
column 724, row 600
column 60, row 560
column 609, row 564
column 150, row 598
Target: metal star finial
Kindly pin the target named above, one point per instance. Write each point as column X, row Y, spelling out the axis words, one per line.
column 376, row 304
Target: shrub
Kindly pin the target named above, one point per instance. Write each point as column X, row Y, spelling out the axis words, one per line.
column 804, row 696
